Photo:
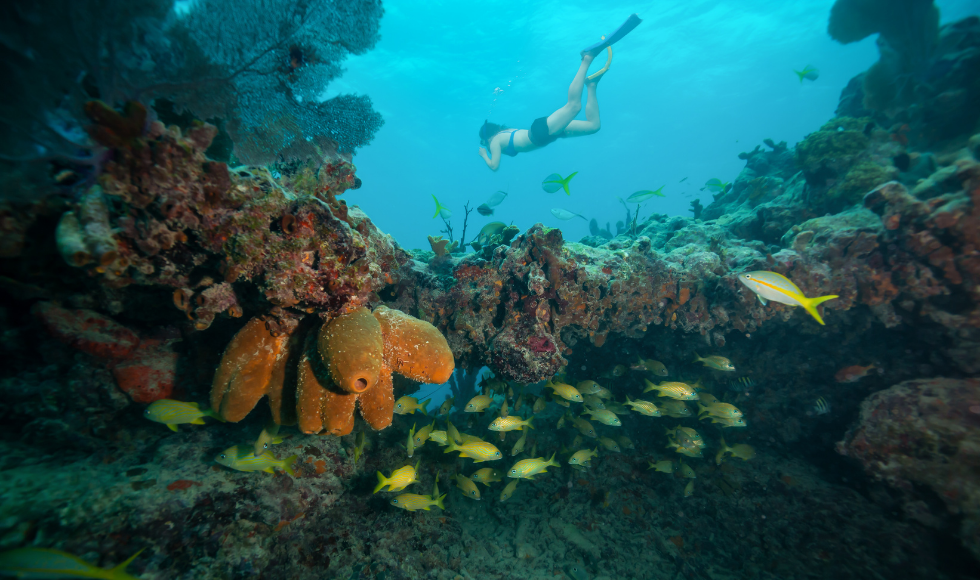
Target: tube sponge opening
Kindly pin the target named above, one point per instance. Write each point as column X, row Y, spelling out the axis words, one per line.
column 352, row 346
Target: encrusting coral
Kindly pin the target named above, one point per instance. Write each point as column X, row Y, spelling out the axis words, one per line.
column 345, row 364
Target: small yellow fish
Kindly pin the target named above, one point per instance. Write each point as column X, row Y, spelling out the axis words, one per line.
column 400, row 478
column 560, row 423
column 617, row 408
column 729, row 421
column 447, row 406
column 508, row 490
column 588, row 387
column 618, row 370
column 624, row 442
column 643, row 407
column 510, row 392
column 719, row 363
column 779, row 288
column 654, row 366
column 359, row 445
column 584, row 427
column 689, row 489
column 423, row 434
column 478, row 404
column 582, row 457
column 487, row 475
column 576, row 443
column 707, row 399
column 467, row 438
column 172, row 413
column 604, row 393
column 723, row 410
column 504, row 409
column 478, row 451
column 242, row 460
column 435, row 486
column 695, row 452
column 467, row 486
column 676, row 409
column 539, row 405
column 560, row 401
column 440, row 437
column 610, row 444
column 519, row 446
column 410, row 445
column 593, row 402
column 408, row 405
column 687, row 472
column 510, row 424
column 567, row 392
column 528, row 468
column 674, row 390
column 502, row 436
column 665, row 466
column 47, row 563
column 519, row 403
column 743, row 451
column 605, row 416
column 534, row 449
column 268, row 437
column 693, row 435
column 412, row 502
column 453, row 433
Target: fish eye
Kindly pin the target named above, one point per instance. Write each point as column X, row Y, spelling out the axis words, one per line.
column 394, row 501
column 222, row 456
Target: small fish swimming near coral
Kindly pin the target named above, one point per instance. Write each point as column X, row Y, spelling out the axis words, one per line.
column 716, row 185
column 467, row 486
column 675, row 390
column 719, row 363
column 593, row 402
column 408, row 405
column 604, row 416
column 743, row 451
column 511, row 424
column 674, row 408
column 654, row 366
column 478, row 451
column 565, row 215
column 821, row 407
column 435, row 486
column 487, row 475
column 588, row 387
column 778, row 288
column 724, row 410
column 689, row 489
column 508, row 490
column 664, row 466
column 567, row 392
column 729, row 421
column 584, row 427
column 360, row 442
column 528, row 468
column 554, row 182
column 519, row 446
column 47, row 563
column 853, row 373
column 741, row 384
column 706, row 399
column 441, row 210
column 478, row 404
column 539, row 405
column 423, row 434
column 645, row 194
column 172, row 413
column 489, row 231
column 810, row 73
column 268, row 437
column 447, row 406
column 440, row 437
column 410, row 444
column 625, row 442
column 687, row 471
column 486, row 208
column 610, row 444
column 453, row 433
column 504, row 409
column 412, row 502
column 582, row 457
column 400, row 478
column 241, row 460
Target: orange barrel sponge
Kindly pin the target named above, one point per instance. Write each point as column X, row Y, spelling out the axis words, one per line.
column 378, row 404
column 247, row 370
column 414, row 348
column 352, row 346
column 318, row 406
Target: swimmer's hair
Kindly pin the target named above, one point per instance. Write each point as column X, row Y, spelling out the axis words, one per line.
column 489, row 129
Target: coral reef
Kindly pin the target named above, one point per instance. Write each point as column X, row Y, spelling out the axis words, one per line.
column 925, row 433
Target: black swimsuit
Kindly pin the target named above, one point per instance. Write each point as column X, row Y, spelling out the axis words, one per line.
column 539, row 132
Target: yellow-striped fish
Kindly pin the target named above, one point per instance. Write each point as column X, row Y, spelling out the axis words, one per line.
column 665, row 466
column 412, row 502
column 467, row 438
column 604, row 393
column 478, row 403
column 539, row 405
column 743, row 451
column 519, row 446
column 625, row 442
column 360, row 443
column 689, row 489
column 610, row 444
column 410, row 444
column 440, row 437
column 447, row 406
column 676, row 409
column 400, row 478
column 172, row 413
column 719, row 363
column 504, row 409
column 528, row 468
column 674, row 390
column 687, row 472
column 593, row 402
column 510, row 424
column 423, row 434
column 268, row 437
column 47, row 563
column 692, row 434
column 567, row 392
column 453, row 433
column 707, row 399
column 729, row 421
column 519, row 403
column 467, row 486
column 654, row 366
column 478, row 451
column 643, row 407
column 487, row 475
column 245, row 460
column 724, row 410
column 582, row 457
column 408, row 405
column 604, row 416
column 779, row 288
column 508, row 490
column 435, row 486
column 584, row 427
column 588, row 387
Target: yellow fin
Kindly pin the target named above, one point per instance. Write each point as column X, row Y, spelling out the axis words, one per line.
column 198, row 421
column 810, row 305
column 172, row 427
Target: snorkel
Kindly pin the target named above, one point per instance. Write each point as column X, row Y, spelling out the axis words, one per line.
column 485, row 133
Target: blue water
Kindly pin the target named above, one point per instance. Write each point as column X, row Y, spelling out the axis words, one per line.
column 698, row 82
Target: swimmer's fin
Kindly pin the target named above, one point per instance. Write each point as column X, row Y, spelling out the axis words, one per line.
column 632, row 22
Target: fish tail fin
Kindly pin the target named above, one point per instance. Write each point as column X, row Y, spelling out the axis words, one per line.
column 172, row 427
column 287, row 464
column 198, row 421
column 697, row 357
column 214, row 415
column 451, row 447
column 810, row 305
column 564, row 182
column 382, row 481
column 439, row 502
column 422, row 406
column 800, row 74
column 701, row 408
column 121, row 568
column 530, row 422
column 551, row 460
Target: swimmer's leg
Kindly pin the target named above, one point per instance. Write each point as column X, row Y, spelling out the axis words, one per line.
column 591, row 123
column 563, row 116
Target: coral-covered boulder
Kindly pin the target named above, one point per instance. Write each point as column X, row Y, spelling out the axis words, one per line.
column 150, row 373
column 925, row 433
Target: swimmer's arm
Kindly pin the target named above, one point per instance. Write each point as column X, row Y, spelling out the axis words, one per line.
column 493, row 158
